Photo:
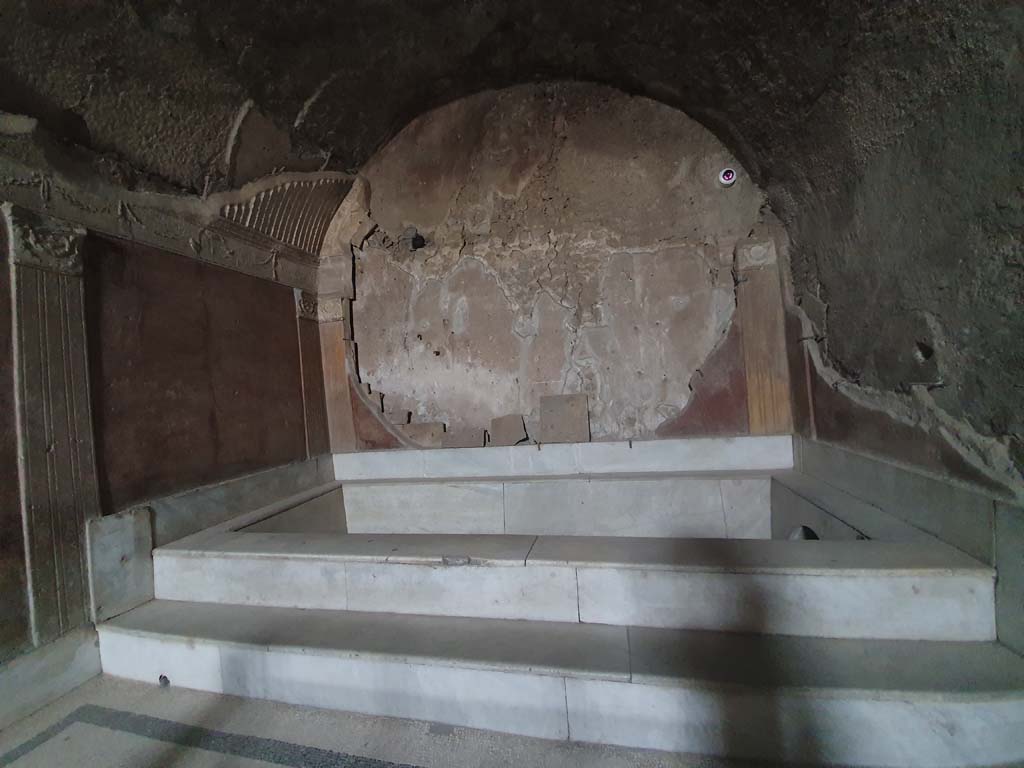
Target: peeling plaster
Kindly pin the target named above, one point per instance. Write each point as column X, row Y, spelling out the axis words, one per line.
column 990, row 456
column 576, row 241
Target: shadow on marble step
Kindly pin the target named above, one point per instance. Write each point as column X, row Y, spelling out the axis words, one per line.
column 835, row 589
column 773, row 698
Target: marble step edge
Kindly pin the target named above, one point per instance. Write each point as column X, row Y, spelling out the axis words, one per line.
column 590, row 477
column 710, row 454
column 624, row 654
column 798, row 558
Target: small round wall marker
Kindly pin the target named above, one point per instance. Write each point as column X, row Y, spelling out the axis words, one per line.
column 727, row 177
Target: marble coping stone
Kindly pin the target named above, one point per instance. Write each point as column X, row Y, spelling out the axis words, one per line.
column 619, row 552
column 697, row 455
column 662, row 657
column 120, row 561
column 751, row 556
column 407, row 549
column 247, row 519
column 189, row 512
column 959, row 516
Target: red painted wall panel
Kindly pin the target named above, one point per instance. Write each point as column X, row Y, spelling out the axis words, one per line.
column 195, row 372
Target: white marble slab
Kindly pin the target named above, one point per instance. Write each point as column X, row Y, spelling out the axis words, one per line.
column 542, row 594
column 291, row 583
column 689, row 506
column 425, row 507
column 541, row 647
column 704, row 454
column 379, row 465
column 468, row 462
column 853, row 728
column 669, row 506
column 952, row 513
column 439, row 549
column 831, row 589
column 532, row 705
column 886, row 667
column 120, row 560
column 911, row 607
column 837, row 702
column 184, row 661
column 731, row 454
column 548, row 460
column 748, row 507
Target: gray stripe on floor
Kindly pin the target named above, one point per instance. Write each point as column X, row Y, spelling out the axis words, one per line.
column 195, row 737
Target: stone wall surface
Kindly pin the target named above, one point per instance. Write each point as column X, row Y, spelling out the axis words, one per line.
column 575, row 239
column 195, row 372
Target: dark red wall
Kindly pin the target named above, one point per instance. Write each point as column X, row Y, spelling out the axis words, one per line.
column 195, row 372
column 14, row 622
column 718, row 405
column 828, row 415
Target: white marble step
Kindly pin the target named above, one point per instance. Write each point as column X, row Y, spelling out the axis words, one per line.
column 860, row 589
column 736, row 505
column 772, row 698
column 705, row 455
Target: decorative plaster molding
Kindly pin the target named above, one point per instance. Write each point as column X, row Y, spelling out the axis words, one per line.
column 43, row 242
column 296, row 213
column 755, row 252
column 322, row 309
column 187, row 225
column 56, row 460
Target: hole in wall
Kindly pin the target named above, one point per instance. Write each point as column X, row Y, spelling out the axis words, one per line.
column 803, row 533
column 923, row 352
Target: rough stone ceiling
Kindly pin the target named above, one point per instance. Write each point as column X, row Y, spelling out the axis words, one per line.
column 888, row 133
column 159, row 83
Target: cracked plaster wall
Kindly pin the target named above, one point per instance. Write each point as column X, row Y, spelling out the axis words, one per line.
column 576, row 240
